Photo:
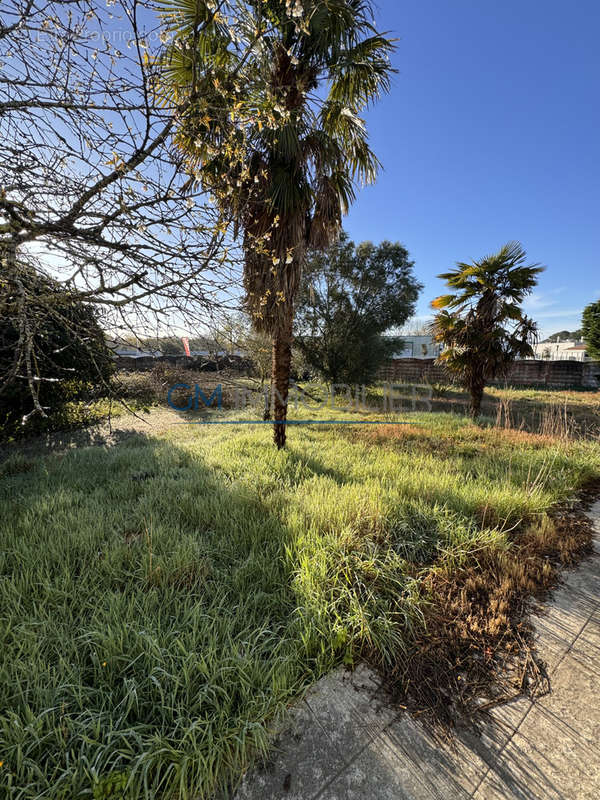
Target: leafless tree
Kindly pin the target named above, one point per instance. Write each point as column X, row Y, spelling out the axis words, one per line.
column 91, row 190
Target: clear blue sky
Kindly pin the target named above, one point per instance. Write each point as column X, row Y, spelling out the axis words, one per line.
column 492, row 133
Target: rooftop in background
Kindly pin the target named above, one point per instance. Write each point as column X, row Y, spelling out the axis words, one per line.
column 418, row 346
column 131, row 351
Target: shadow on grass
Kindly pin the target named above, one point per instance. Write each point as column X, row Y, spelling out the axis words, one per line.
column 99, row 434
column 149, row 635
column 106, row 432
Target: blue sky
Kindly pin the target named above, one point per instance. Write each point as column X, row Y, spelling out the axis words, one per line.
column 492, row 133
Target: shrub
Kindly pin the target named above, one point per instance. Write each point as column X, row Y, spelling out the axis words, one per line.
column 52, row 350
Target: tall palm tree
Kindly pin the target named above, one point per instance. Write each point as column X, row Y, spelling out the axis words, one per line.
column 272, row 130
column 482, row 325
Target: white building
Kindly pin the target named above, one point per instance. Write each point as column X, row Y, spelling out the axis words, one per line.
column 569, row 350
column 418, row 346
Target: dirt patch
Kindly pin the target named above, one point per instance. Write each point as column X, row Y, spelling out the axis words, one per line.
column 473, row 442
column 476, row 650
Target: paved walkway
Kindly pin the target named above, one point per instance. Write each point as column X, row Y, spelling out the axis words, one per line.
column 345, row 742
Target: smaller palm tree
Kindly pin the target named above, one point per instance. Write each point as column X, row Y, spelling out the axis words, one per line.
column 482, row 326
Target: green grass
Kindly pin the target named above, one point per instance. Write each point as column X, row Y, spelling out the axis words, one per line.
column 534, row 409
column 163, row 601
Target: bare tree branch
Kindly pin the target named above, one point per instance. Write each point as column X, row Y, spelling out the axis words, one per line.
column 92, row 192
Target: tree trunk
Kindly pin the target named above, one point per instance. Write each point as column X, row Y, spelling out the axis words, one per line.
column 282, row 361
column 476, row 390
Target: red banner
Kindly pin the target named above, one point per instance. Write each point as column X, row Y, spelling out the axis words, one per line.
column 186, row 346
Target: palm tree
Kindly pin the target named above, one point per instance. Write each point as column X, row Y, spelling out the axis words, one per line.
column 482, row 325
column 272, row 130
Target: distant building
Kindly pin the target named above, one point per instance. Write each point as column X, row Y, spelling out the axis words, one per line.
column 422, row 346
column 219, row 353
column 129, row 351
column 418, row 346
column 577, row 353
column 569, row 350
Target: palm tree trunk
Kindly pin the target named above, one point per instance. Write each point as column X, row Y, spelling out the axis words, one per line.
column 476, row 391
column 282, row 362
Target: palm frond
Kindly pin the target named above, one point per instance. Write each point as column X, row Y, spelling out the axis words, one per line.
column 362, row 73
column 252, row 134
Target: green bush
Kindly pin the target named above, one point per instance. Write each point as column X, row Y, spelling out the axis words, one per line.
column 64, row 351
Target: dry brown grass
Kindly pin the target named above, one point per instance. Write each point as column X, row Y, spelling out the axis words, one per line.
column 474, row 442
column 556, row 419
column 476, row 650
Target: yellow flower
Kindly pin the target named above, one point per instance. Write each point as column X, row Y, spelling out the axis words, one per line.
column 104, row 663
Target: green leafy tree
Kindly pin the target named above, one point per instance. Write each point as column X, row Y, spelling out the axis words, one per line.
column 273, row 131
column 351, row 295
column 591, row 329
column 65, row 352
column 482, row 325
column 563, row 336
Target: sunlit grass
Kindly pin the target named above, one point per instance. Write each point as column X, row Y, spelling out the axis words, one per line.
column 165, row 600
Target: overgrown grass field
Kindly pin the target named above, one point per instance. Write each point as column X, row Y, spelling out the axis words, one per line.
column 164, row 600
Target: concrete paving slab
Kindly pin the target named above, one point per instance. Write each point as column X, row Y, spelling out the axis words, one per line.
column 585, row 653
column 560, row 624
column 542, row 762
column 509, row 716
column 301, row 762
column 590, row 635
column 380, row 772
column 585, row 579
column 351, row 708
column 566, row 614
column 447, row 770
column 571, row 707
